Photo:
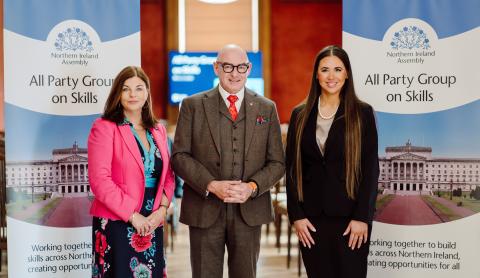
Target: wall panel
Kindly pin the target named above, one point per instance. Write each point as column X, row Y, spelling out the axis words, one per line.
column 299, row 29
column 210, row 26
column 154, row 52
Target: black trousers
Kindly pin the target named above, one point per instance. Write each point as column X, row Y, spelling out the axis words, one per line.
column 330, row 257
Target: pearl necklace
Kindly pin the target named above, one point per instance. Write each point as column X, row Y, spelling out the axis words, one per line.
column 327, row 117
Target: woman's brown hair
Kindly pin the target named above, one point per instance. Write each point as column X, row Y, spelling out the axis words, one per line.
column 353, row 128
column 113, row 110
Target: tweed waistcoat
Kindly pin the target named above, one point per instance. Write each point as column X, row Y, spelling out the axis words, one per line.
column 232, row 143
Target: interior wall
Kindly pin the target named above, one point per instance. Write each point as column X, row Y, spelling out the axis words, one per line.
column 208, row 27
column 299, row 30
column 154, row 52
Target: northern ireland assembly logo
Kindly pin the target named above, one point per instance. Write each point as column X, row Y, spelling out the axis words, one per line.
column 73, row 43
column 410, row 41
column 410, row 37
column 74, row 39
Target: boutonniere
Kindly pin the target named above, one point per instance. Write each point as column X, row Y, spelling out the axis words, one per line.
column 261, row 120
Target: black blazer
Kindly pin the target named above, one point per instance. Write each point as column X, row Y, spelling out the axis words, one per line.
column 324, row 176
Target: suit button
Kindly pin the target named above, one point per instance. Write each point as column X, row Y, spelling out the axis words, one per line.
column 218, row 164
column 234, row 150
column 234, row 139
column 234, row 127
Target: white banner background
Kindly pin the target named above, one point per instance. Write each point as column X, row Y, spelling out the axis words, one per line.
column 60, row 60
column 427, row 92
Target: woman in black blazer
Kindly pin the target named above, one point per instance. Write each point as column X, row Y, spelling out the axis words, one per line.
column 332, row 171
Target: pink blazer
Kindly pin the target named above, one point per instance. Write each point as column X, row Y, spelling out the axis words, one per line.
column 116, row 171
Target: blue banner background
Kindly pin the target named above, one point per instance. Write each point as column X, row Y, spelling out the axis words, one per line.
column 42, row 16
column 446, row 21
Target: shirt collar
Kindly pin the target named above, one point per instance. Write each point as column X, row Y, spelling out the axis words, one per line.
column 240, row 94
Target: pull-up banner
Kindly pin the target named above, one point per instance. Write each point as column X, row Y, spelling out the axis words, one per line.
column 416, row 62
column 61, row 57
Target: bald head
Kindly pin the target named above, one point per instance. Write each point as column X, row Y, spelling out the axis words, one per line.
column 232, row 50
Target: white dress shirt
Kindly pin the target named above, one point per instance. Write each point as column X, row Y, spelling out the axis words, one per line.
column 240, row 94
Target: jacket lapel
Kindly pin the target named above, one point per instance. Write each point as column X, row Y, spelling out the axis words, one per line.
column 131, row 143
column 338, row 120
column 251, row 111
column 311, row 129
column 211, row 106
column 222, row 107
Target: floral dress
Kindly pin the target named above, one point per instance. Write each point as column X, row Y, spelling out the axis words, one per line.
column 118, row 250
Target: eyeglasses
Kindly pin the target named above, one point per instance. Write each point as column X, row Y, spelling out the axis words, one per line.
column 228, row 68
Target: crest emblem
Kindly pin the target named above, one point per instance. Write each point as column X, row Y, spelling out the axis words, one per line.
column 73, row 39
column 410, row 37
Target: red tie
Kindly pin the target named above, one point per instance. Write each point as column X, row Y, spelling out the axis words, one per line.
column 232, row 108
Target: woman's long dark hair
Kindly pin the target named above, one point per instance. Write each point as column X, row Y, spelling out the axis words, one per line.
column 113, row 110
column 353, row 128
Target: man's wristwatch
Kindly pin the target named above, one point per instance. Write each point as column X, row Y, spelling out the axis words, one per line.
column 254, row 188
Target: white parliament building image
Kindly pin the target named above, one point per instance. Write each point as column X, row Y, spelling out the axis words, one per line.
column 65, row 174
column 412, row 170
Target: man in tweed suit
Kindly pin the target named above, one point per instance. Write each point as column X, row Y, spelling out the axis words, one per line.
column 229, row 152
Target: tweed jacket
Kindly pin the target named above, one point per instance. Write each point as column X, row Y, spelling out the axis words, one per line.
column 196, row 156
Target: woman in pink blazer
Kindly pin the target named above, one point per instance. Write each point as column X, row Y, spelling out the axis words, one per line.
column 131, row 178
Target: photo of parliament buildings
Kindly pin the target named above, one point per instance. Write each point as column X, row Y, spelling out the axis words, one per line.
column 409, row 169
column 66, row 174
